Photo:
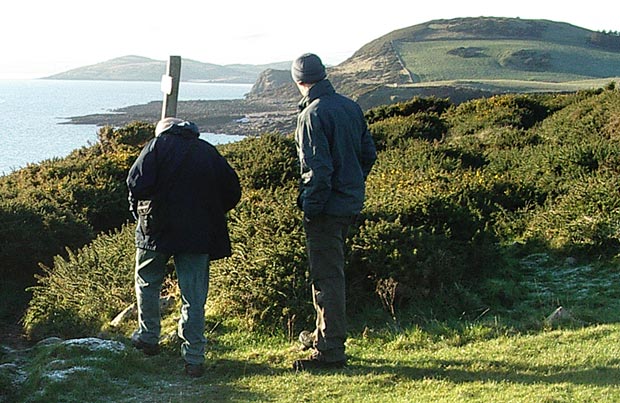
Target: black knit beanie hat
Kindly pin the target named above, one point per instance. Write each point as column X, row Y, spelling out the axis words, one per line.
column 308, row 68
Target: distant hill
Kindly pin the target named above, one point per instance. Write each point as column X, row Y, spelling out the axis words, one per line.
column 137, row 68
column 487, row 53
column 459, row 59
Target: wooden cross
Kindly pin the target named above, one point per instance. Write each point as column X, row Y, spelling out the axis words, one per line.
column 170, row 87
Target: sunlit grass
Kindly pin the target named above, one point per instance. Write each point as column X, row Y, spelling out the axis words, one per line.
column 432, row 61
column 484, row 360
column 413, row 365
column 501, row 356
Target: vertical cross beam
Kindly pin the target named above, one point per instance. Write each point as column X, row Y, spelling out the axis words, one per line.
column 170, row 87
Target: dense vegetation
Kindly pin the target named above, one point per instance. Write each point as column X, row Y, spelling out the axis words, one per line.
column 457, row 192
column 62, row 203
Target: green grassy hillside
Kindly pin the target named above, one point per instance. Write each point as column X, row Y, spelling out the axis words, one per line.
column 505, row 59
column 515, row 55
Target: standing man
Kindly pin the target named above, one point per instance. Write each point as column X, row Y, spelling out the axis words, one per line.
column 336, row 153
column 180, row 188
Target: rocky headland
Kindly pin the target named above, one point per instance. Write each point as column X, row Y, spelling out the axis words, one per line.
column 270, row 106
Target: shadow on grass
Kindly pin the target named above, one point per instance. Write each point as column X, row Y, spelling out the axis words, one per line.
column 459, row 371
column 220, row 382
column 74, row 374
column 224, row 374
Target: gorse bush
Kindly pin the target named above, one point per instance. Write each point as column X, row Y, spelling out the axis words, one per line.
column 455, row 192
column 265, row 162
column 264, row 282
column 430, row 105
column 516, row 111
column 60, row 203
column 395, row 131
column 31, row 233
column 135, row 134
column 426, row 222
column 585, row 219
column 79, row 295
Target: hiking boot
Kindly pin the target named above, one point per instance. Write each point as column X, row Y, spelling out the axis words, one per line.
column 306, row 339
column 194, row 370
column 146, row 348
column 316, row 362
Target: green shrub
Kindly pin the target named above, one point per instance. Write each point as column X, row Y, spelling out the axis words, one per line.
column 430, row 105
column 441, row 220
column 588, row 119
column 585, row 219
column 135, row 134
column 264, row 162
column 82, row 292
column 34, row 232
column 427, row 223
column 392, row 132
column 60, row 203
column 516, row 111
column 264, row 282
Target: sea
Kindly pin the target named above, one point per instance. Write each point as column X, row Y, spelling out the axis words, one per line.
column 34, row 113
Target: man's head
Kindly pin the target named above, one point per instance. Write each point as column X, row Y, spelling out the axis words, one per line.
column 308, row 69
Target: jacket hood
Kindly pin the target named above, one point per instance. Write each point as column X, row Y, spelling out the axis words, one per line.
column 323, row 87
column 176, row 126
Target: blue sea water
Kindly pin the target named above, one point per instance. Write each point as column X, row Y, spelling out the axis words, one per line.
column 32, row 113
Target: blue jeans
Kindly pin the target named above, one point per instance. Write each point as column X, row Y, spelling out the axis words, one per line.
column 193, row 277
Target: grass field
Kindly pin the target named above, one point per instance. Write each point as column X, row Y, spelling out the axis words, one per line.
column 509, row 356
column 431, row 61
column 522, row 86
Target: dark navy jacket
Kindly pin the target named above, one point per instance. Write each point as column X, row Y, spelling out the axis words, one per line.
column 192, row 187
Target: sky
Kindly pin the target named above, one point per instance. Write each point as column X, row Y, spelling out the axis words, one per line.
column 42, row 37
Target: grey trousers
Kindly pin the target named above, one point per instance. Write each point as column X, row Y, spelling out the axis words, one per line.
column 325, row 242
column 193, row 276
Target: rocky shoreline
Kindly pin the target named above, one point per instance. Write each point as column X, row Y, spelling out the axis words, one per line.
column 236, row 117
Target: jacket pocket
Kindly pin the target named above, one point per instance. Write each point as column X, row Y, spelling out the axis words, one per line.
column 151, row 216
